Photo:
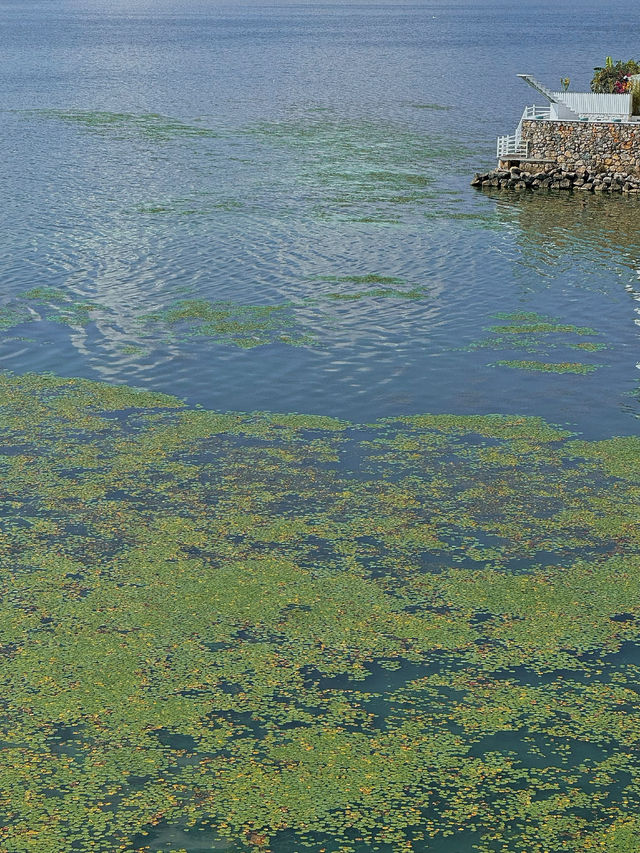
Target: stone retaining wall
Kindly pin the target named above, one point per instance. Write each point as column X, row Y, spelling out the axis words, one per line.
column 596, row 146
column 529, row 176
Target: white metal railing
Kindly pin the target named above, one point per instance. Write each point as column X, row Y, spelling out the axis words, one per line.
column 512, row 145
column 535, row 112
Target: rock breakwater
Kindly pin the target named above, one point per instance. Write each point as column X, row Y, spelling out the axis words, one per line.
column 557, row 178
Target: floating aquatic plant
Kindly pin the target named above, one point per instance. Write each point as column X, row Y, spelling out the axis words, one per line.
column 380, row 292
column 245, row 326
column 221, row 623
column 430, row 107
column 131, row 349
column 46, row 294
column 13, row 315
column 537, row 333
column 588, row 346
column 542, row 328
column 198, row 204
column 549, row 367
column 224, row 322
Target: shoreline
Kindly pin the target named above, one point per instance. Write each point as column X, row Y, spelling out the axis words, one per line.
column 557, row 178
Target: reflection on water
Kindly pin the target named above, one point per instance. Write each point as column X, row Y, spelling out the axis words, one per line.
column 562, row 230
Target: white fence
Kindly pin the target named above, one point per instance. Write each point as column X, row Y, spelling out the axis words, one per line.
column 535, row 112
column 512, row 145
column 596, row 106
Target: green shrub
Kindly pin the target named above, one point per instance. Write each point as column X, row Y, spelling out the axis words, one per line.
column 635, row 101
column 612, row 78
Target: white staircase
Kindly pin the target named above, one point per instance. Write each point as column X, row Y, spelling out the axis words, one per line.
column 560, row 109
column 512, row 145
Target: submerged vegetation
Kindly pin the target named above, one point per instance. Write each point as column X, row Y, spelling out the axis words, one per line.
column 361, row 171
column 245, row 326
column 223, row 322
column 378, row 292
column 369, row 278
column 46, row 303
column 393, row 287
column 212, row 623
column 152, row 126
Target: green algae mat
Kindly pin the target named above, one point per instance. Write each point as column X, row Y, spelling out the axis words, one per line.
column 247, row 632
column 537, row 333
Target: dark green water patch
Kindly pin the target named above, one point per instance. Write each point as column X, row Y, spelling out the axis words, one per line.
column 46, row 303
column 151, row 126
column 196, row 205
column 368, row 278
column 364, row 171
column 199, row 640
column 429, row 107
column 391, row 287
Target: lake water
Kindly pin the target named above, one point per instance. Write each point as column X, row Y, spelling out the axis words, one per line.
column 266, row 208
column 253, row 153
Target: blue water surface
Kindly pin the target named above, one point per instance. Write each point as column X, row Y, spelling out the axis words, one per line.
column 264, row 154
